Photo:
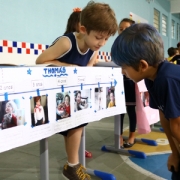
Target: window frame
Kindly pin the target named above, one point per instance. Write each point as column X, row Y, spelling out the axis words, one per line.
column 156, row 19
column 164, row 25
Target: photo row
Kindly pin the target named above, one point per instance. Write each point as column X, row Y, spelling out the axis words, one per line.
column 12, row 112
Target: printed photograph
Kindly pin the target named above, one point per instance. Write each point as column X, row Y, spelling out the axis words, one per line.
column 63, row 109
column 98, row 98
column 39, row 110
column 110, row 97
column 11, row 113
column 145, row 98
column 82, row 100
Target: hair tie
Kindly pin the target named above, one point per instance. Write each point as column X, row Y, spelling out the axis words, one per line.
column 77, row 9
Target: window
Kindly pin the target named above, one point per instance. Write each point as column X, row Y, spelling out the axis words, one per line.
column 157, row 19
column 164, row 25
column 173, row 29
column 178, row 32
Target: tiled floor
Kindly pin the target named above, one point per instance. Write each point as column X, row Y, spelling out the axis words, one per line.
column 23, row 163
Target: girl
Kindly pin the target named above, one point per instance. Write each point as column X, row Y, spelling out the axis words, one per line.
column 129, row 88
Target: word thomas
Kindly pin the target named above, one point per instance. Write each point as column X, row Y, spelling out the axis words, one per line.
column 55, row 70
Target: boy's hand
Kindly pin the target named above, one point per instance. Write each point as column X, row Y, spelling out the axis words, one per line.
column 173, row 161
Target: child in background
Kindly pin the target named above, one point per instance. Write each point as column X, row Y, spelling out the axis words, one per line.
column 97, row 24
column 130, row 97
column 175, row 55
column 172, row 52
column 73, row 23
column 178, row 47
column 144, row 59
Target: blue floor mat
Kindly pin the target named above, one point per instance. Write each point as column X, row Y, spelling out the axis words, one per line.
column 156, row 164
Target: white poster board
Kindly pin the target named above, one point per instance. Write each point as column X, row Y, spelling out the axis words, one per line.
column 37, row 102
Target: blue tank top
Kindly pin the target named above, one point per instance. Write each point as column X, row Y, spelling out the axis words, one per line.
column 74, row 55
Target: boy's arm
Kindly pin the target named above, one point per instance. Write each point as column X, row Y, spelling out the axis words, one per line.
column 58, row 63
column 59, row 48
column 174, row 160
column 167, row 129
column 175, row 128
column 93, row 60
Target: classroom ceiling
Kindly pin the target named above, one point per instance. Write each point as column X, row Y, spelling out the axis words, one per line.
column 175, row 6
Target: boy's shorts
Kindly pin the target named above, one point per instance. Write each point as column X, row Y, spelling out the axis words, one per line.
column 65, row 133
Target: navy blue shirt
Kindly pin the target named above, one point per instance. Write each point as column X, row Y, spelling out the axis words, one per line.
column 74, row 55
column 165, row 90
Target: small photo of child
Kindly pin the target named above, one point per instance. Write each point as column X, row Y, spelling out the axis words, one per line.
column 39, row 110
column 98, row 98
column 82, row 100
column 110, row 97
column 11, row 113
column 63, row 109
column 145, row 98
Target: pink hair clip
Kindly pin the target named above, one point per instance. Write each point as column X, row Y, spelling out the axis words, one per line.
column 77, row 9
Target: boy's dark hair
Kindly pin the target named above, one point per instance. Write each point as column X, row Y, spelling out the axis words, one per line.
column 130, row 21
column 99, row 17
column 138, row 42
column 73, row 22
column 171, row 51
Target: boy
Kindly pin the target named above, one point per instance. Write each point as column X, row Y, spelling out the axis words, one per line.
column 139, row 51
column 98, row 23
column 172, row 52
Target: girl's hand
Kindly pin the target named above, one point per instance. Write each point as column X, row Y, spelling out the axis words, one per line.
column 173, row 161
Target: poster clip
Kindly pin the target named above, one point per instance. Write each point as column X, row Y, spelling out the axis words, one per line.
column 38, row 92
column 98, row 84
column 81, row 86
column 62, row 88
column 6, row 96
